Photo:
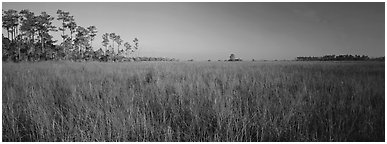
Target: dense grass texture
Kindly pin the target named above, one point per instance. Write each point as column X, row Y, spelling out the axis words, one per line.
column 193, row 101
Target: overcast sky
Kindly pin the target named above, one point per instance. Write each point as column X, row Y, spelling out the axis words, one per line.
column 213, row 31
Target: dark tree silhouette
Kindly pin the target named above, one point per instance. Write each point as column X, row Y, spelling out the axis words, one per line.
column 65, row 18
column 11, row 22
column 92, row 33
column 44, row 25
column 81, row 40
column 336, row 58
column 105, row 42
column 136, row 46
column 112, row 36
column 232, row 57
column 29, row 38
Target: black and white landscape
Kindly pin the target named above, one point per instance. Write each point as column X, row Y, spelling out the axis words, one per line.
column 193, row 72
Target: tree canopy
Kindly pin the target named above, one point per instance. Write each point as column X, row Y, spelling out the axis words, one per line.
column 29, row 39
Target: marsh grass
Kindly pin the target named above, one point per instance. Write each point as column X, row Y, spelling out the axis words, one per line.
column 196, row 101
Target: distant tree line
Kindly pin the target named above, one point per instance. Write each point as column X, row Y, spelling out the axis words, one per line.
column 340, row 58
column 29, row 39
column 152, row 59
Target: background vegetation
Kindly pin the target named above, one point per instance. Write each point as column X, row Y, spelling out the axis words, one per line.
column 340, row 58
column 193, row 101
column 29, row 39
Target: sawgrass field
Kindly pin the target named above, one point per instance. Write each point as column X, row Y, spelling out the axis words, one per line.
column 193, row 101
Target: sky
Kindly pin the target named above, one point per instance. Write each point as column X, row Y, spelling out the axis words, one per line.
column 202, row 31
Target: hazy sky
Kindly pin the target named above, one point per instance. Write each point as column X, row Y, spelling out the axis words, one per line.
column 213, row 31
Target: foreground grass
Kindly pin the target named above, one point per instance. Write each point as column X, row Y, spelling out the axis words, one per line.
column 214, row 101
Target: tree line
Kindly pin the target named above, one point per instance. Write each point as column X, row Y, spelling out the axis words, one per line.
column 340, row 58
column 28, row 39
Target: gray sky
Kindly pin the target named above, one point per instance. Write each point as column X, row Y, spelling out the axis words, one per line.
column 213, row 31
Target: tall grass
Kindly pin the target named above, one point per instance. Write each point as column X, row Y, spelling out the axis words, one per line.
column 197, row 101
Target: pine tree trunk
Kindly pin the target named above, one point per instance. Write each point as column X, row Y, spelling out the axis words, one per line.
column 33, row 37
column 17, row 31
column 80, row 52
column 113, row 46
column 12, row 34
column 19, row 51
column 63, row 31
column 71, row 38
column 8, row 33
column 63, row 35
column 41, row 40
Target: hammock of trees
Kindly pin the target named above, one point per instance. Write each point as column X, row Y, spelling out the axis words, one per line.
column 340, row 58
column 28, row 39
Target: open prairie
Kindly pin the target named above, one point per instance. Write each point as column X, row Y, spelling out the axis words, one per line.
column 193, row 101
